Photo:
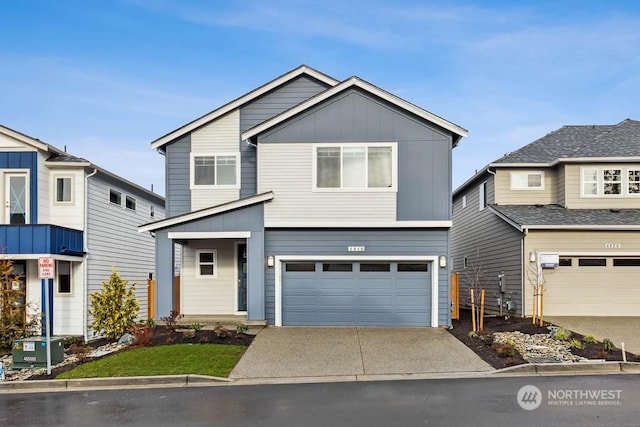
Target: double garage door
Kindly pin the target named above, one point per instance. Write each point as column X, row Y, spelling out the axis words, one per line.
column 593, row 286
column 343, row 293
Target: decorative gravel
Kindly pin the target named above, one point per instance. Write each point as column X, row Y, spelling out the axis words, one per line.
column 538, row 348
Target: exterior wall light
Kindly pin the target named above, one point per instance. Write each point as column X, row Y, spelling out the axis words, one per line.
column 443, row 261
column 271, row 261
column 532, row 257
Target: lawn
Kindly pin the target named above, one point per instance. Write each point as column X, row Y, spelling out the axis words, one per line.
column 179, row 359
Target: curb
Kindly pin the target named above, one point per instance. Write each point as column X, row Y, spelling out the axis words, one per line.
column 571, row 368
column 84, row 383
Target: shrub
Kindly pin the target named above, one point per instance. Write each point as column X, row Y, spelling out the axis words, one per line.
column 220, row 330
column 189, row 333
column 204, row 339
column 589, row 339
column 12, row 321
column 607, row 345
column 575, row 344
column 561, row 334
column 142, row 333
column 196, row 327
column 172, row 319
column 602, row 354
column 472, row 334
column 114, row 308
column 152, row 324
column 505, row 350
column 242, row 329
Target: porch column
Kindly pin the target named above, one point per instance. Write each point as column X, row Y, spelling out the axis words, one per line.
column 165, row 262
column 255, row 276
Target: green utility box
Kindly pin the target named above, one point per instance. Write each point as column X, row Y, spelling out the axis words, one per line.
column 32, row 352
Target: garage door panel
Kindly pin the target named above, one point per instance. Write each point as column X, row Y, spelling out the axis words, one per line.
column 371, row 298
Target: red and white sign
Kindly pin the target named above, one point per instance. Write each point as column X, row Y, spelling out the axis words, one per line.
column 46, row 268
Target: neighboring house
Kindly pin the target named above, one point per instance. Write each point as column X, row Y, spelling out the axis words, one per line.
column 309, row 201
column 568, row 202
column 86, row 218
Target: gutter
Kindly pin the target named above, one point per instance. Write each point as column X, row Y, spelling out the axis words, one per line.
column 85, row 293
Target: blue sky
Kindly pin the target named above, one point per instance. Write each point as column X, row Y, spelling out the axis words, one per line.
column 104, row 78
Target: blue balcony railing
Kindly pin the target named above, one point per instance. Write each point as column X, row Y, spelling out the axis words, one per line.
column 40, row 239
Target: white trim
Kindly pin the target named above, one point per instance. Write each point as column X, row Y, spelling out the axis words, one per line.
column 36, row 256
column 512, row 186
column 6, row 173
column 482, row 196
column 192, row 235
column 280, row 259
column 54, row 164
column 243, row 100
column 54, row 191
column 71, row 281
column 582, row 227
column 358, row 224
column 214, row 263
column 630, row 159
column 366, row 145
column 215, row 155
column 600, row 182
column 354, row 81
column 24, row 138
column 206, row 212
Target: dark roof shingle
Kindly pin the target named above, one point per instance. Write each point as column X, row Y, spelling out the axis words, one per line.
column 555, row 215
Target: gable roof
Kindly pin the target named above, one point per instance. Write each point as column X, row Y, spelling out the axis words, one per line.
column 368, row 87
column 238, row 102
column 557, row 217
column 577, row 143
column 29, row 140
column 203, row 213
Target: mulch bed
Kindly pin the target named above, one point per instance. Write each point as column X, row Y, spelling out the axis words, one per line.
column 161, row 335
column 482, row 345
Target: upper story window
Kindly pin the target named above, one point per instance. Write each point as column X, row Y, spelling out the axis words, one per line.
column 355, row 166
column 527, row 180
column 215, row 170
column 115, row 197
column 482, row 196
column 130, row 203
column 464, row 201
column 604, row 182
column 64, row 191
column 152, row 211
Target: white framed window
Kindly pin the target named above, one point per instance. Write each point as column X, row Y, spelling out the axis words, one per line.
column 527, row 180
column 206, row 262
column 63, row 191
column 63, row 271
column 464, row 201
column 465, row 262
column 130, row 203
column 115, row 197
column 152, row 211
column 610, row 182
column 482, row 196
column 355, row 167
column 215, row 170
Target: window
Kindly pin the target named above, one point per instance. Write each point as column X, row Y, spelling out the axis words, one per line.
column 527, row 180
column 377, row 267
column 610, row 182
column 565, row 262
column 355, row 166
column 115, row 197
column 63, row 190
column 464, row 201
column 464, row 262
column 412, row 267
column 337, row 267
column 130, row 203
column 215, row 170
column 592, row 262
column 206, row 262
column 64, row 277
column 152, row 211
column 482, row 195
column 626, row 262
column 301, row 267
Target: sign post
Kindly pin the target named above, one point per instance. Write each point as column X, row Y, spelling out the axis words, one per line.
column 46, row 272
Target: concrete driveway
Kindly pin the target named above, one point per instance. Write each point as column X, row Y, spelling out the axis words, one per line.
column 287, row 352
column 619, row 329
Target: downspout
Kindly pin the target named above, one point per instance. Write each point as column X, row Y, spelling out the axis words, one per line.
column 524, row 265
column 85, row 292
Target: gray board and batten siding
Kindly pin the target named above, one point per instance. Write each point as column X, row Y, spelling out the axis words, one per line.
column 177, row 176
column 424, row 150
column 489, row 244
column 113, row 239
column 264, row 108
column 333, row 242
column 249, row 218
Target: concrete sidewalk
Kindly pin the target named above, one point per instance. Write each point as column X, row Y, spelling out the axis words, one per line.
column 324, row 352
column 618, row 329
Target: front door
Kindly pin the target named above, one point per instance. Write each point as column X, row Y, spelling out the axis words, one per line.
column 242, row 276
column 16, row 198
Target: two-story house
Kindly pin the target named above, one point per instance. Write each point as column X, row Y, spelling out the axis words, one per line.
column 309, row 201
column 86, row 218
column 567, row 206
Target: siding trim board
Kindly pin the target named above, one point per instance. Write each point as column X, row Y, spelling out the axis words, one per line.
column 359, row 224
column 280, row 260
column 209, row 235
